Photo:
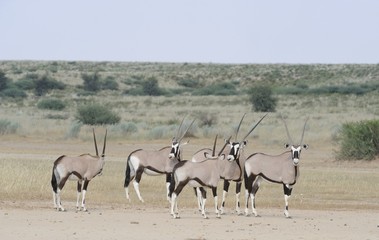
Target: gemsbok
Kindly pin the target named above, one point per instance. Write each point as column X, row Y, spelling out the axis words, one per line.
column 282, row 169
column 153, row 163
column 205, row 173
column 82, row 168
column 235, row 151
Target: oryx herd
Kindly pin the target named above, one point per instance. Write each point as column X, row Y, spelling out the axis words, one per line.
column 204, row 170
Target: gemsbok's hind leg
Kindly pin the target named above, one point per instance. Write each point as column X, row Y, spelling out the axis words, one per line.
column 174, row 199
column 203, row 199
column 136, row 183
column 58, row 194
column 287, row 194
column 217, row 211
column 255, row 189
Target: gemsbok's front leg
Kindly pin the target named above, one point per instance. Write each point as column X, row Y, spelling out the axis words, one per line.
column 287, row 194
column 168, row 181
column 78, row 194
column 238, row 193
column 224, row 195
column 85, row 185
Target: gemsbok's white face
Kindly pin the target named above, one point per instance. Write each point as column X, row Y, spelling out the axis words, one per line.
column 235, row 148
column 174, row 154
column 295, row 152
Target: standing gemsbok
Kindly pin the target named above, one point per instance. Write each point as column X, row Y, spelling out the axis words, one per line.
column 235, row 154
column 153, row 163
column 282, row 169
column 81, row 168
column 205, row 173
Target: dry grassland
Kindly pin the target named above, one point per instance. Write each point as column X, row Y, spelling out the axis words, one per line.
column 26, row 158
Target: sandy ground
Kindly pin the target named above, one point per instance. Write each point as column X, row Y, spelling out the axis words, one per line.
column 107, row 222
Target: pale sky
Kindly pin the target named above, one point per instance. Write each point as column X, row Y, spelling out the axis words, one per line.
column 205, row 31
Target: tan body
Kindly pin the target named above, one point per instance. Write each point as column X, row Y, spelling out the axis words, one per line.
column 82, row 168
column 206, row 173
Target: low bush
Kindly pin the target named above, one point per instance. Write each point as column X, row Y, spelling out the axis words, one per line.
column 96, row 114
column 190, row 83
column 8, row 127
column 13, row 93
column 45, row 84
column 262, row 100
column 127, row 128
column 358, row 140
column 51, row 104
column 109, row 83
column 218, row 89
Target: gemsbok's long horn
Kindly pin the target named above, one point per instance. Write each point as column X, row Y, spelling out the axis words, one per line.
column 105, row 141
column 180, row 126
column 94, row 139
column 288, row 134
column 226, row 143
column 186, row 131
column 238, row 128
column 302, row 136
column 254, row 127
column 214, row 146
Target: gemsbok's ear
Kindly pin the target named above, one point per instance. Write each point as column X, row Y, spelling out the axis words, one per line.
column 286, row 145
column 305, row 146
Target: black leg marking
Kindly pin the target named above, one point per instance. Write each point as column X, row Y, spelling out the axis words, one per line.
column 85, row 185
column 226, row 185
column 238, row 187
column 287, row 191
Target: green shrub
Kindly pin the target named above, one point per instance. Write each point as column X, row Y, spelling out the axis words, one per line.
column 7, row 127
column 127, row 128
column 218, row 89
column 150, row 87
column 96, row 114
column 109, row 83
column 91, row 82
column 358, row 140
column 4, row 81
column 262, row 100
column 13, row 92
column 45, row 84
column 51, row 104
column 206, row 119
column 190, row 83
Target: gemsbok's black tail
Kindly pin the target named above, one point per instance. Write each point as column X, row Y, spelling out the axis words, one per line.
column 171, row 188
column 54, row 183
column 127, row 173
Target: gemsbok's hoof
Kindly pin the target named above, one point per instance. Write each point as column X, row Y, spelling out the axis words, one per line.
column 286, row 214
